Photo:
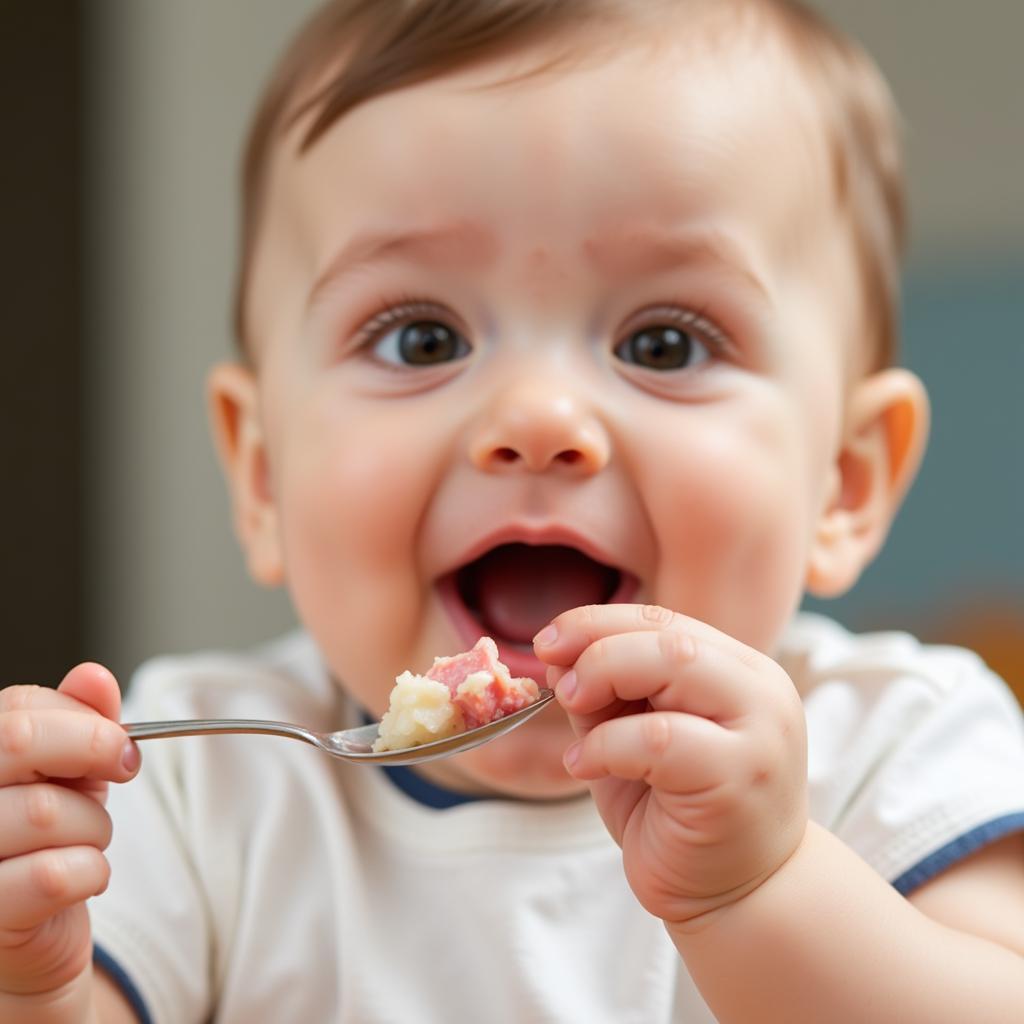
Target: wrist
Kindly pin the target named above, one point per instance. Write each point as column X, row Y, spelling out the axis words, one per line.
column 70, row 1003
column 737, row 908
column 717, row 912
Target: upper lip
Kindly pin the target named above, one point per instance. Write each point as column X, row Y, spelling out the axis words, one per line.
column 547, row 533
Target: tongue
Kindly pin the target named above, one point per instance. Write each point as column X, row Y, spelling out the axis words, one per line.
column 520, row 587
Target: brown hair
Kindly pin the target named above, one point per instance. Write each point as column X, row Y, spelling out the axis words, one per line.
column 354, row 50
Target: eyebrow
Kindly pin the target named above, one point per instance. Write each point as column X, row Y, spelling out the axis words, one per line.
column 454, row 245
column 615, row 254
column 643, row 250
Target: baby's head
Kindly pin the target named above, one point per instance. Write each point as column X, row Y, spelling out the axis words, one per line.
column 353, row 51
column 554, row 302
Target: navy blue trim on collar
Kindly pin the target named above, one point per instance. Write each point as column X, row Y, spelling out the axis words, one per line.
column 425, row 792
column 957, row 850
column 420, row 789
column 120, row 978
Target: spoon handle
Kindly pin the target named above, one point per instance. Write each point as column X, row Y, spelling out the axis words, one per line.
column 214, row 726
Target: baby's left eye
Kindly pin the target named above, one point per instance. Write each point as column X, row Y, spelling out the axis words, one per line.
column 663, row 347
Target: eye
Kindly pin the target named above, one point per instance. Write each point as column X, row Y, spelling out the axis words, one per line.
column 680, row 341
column 422, row 343
column 403, row 336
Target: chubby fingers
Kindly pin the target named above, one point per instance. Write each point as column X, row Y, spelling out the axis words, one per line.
column 88, row 688
column 667, row 750
column 622, row 654
column 50, row 742
column 95, row 687
column 38, row 885
column 29, row 696
column 565, row 638
column 657, row 706
column 35, row 817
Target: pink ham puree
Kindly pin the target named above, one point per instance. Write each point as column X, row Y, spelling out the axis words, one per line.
column 456, row 694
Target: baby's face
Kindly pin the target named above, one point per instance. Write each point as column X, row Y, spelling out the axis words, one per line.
column 606, row 311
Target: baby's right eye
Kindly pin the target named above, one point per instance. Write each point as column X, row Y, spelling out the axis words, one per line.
column 421, row 343
column 404, row 335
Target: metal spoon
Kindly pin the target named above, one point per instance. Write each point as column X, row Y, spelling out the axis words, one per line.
column 355, row 745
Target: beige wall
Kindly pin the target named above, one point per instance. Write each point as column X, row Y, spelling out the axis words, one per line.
column 174, row 84
column 174, row 81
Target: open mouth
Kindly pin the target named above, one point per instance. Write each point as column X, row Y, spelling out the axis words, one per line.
column 513, row 590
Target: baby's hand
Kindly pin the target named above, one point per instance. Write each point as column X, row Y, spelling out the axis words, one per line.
column 58, row 750
column 694, row 746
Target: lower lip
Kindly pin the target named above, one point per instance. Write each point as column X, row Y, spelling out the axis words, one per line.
column 520, row 660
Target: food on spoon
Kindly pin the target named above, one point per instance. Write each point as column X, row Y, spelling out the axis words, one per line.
column 456, row 694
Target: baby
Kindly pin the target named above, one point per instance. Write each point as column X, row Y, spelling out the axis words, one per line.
column 571, row 324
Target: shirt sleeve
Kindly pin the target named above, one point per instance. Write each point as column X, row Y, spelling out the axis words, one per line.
column 933, row 768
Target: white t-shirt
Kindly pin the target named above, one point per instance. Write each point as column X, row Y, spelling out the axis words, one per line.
column 257, row 880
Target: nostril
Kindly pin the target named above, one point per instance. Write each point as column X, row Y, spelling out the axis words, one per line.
column 566, row 446
column 569, row 457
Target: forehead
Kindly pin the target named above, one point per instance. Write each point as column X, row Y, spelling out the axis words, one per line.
column 695, row 125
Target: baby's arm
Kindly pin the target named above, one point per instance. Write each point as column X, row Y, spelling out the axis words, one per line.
column 827, row 939
column 776, row 919
column 58, row 750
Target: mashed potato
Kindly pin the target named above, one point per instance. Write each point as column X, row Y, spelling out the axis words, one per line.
column 458, row 693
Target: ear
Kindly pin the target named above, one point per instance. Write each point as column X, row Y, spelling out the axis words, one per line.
column 237, row 427
column 881, row 449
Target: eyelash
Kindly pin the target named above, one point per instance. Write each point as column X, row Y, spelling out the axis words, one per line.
column 695, row 320
column 397, row 312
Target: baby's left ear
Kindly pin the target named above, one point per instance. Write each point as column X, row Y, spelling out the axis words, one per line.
column 883, row 442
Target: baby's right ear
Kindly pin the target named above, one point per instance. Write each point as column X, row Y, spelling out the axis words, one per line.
column 238, row 433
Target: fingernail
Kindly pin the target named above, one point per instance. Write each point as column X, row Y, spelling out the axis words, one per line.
column 547, row 636
column 130, row 756
column 572, row 755
column 567, row 685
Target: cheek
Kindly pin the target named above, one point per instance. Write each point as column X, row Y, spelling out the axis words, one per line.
column 733, row 519
column 351, row 486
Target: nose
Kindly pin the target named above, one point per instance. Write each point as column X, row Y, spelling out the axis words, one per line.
column 538, row 427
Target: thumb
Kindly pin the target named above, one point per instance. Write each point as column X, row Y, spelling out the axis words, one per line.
column 94, row 686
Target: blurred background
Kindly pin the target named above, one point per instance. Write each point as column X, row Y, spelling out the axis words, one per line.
column 122, row 123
